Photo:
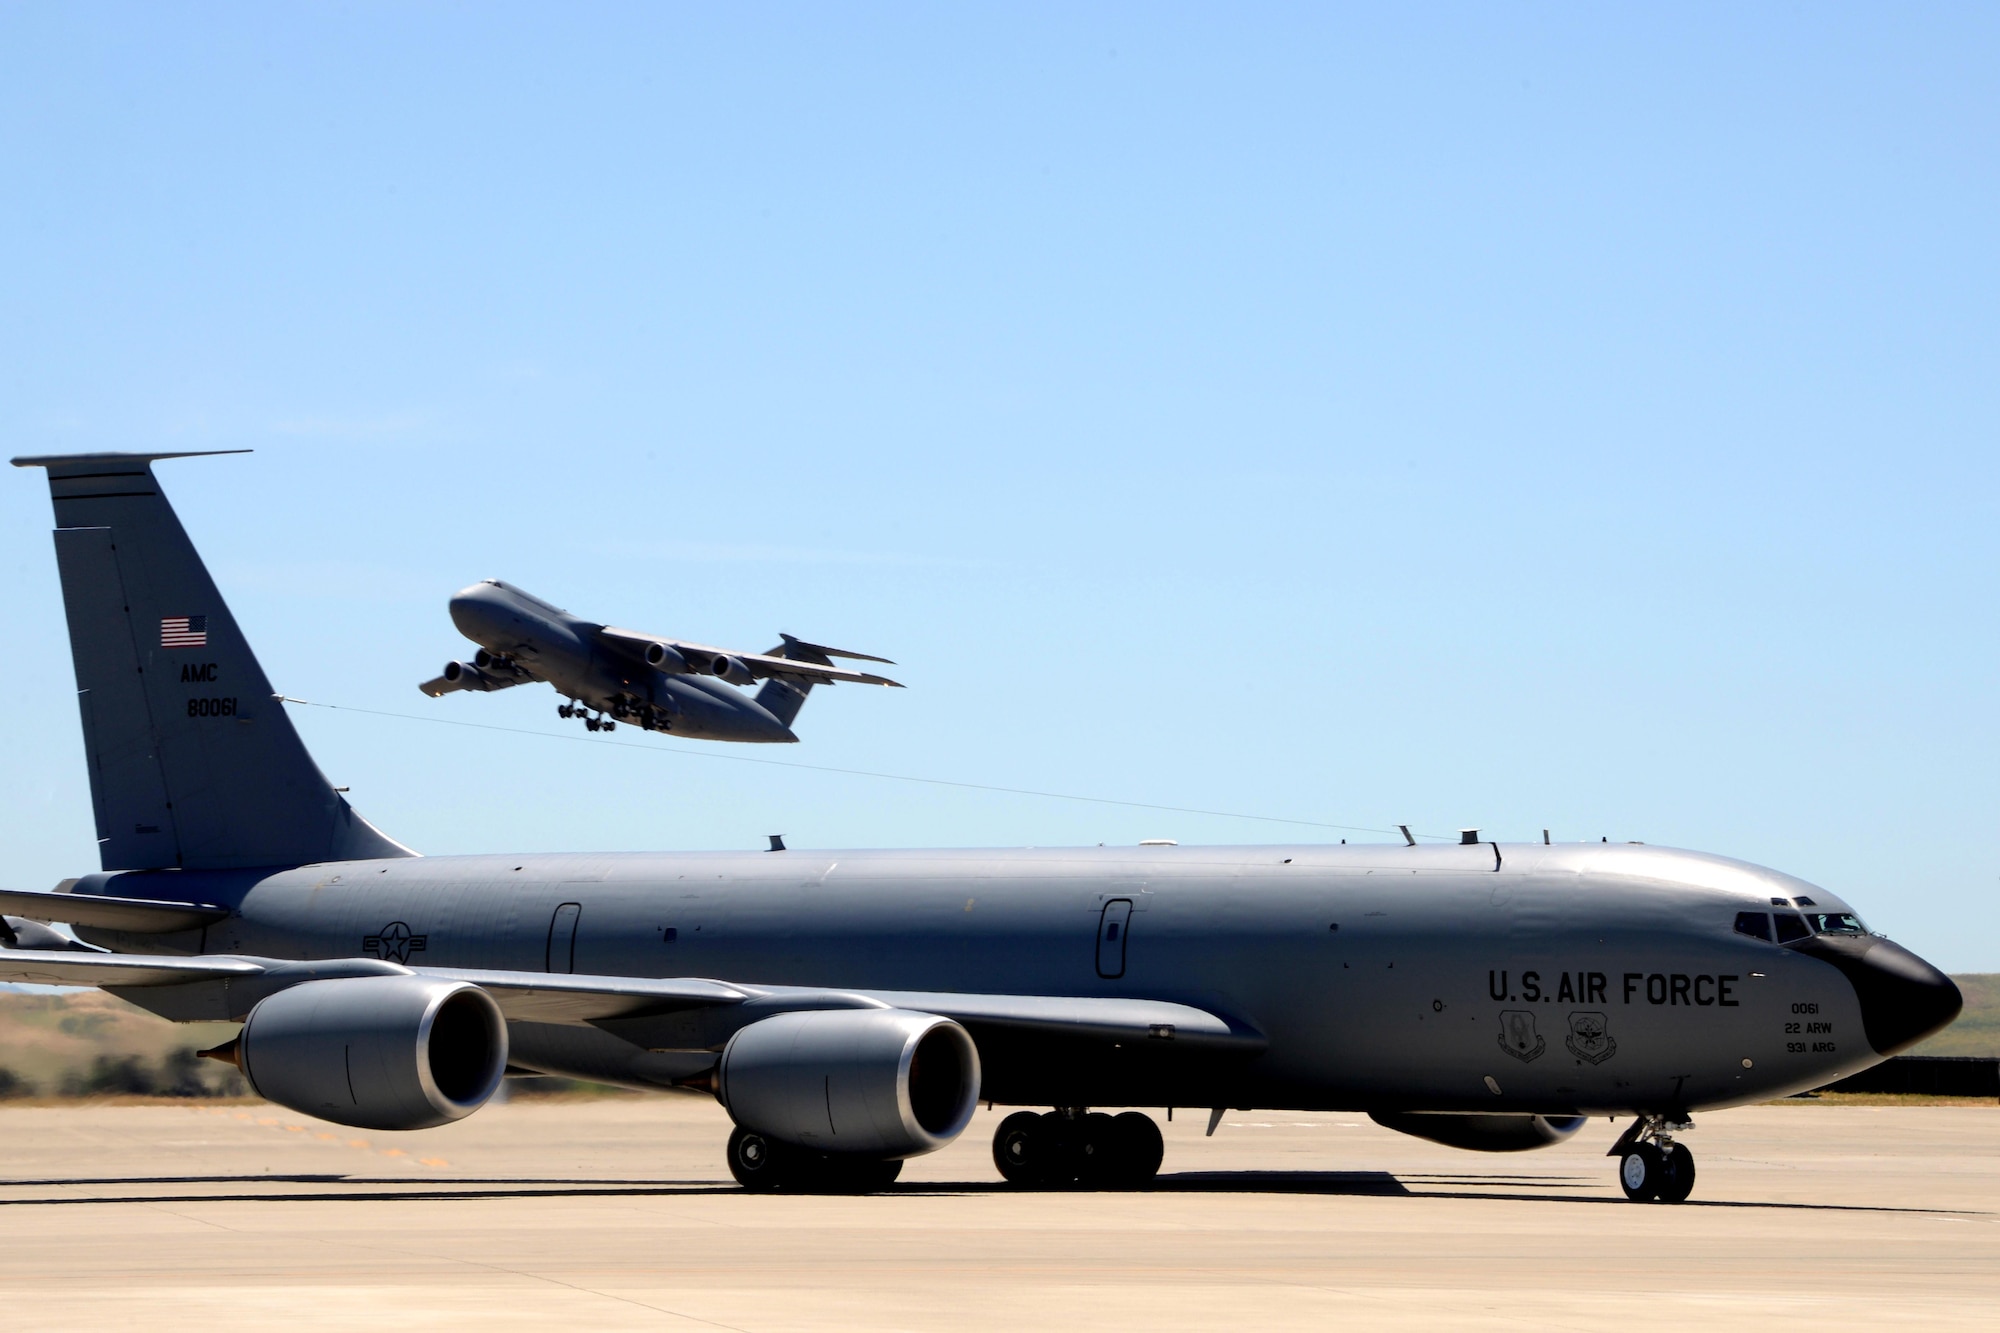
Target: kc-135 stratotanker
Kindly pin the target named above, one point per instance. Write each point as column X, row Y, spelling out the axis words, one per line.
column 609, row 675
column 849, row 1009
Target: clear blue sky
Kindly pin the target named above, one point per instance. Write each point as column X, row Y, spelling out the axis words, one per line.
column 1502, row 415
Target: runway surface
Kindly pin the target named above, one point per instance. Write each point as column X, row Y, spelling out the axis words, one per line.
column 618, row 1213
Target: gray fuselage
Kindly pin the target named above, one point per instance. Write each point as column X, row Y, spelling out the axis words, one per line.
column 1571, row 979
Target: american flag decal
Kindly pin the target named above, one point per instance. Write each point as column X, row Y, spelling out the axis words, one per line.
column 183, row 631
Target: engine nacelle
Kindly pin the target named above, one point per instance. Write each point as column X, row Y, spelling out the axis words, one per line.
column 662, row 658
column 732, row 669
column 879, row 1082
column 1480, row 1131
column 464, row 676
column 376, row 1052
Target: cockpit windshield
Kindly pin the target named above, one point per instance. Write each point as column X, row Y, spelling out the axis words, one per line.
column 1836, row 923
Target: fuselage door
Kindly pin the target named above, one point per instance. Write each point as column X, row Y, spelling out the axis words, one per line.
column 562, row 938
column 1112, row 926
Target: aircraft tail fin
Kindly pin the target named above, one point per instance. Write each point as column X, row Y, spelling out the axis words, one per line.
column 783, row 697
column 193, row 762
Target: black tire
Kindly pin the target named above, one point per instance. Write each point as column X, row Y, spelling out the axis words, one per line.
column 610, row 725
column 830, row 1173
column 1676, row 1175
column 1095, row 1144
column 1140, row 1149
column 1639, row 1172
column 1020, row 1149
column 758, row 1163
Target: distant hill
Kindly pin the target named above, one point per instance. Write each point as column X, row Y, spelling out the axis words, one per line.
column 89, row 1044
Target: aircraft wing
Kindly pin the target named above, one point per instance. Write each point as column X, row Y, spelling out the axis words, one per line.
column 761, row 665
column 655, row 1012
column 137, row 915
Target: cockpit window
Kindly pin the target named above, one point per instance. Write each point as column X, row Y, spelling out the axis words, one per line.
column 1757, row 925
column 1836, row 923
column 1791, row 926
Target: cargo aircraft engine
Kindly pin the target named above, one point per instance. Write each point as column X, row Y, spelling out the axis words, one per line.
column 1481, row 1132
column 662, row 658
column 402, row 1052
column 840, row 1096
column 731, row 669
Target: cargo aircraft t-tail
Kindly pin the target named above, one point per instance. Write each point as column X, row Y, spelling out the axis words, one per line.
column 608, row 675
column 850, row 1009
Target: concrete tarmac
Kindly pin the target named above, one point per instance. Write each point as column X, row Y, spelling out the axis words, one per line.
column 618, row 1213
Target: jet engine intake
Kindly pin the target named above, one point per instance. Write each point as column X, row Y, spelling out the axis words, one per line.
column 878, row 1082
column 465, row 676
column 392, row 1052
column 732, row 669
column 1481, row 1132
column 662, row 658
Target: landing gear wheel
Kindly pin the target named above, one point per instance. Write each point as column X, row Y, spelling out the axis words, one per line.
column 1095, row 1151
column 1639, row 1172
column 757, row 1163
column 1676, row 1174
column 564, row 710
column 1019, row 1149
column 609, row 725
column 1137, row 1150
column 850, row 1175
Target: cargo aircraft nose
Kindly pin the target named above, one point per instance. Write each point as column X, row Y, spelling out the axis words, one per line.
column 1903, row 998
column 479, row 612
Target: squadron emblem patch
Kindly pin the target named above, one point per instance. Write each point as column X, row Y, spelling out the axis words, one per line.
column 1518, row 1036
column 1588, row 1040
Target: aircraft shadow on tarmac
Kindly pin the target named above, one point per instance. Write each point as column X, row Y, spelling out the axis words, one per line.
column 379, row 1189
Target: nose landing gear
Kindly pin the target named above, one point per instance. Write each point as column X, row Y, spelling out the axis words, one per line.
column 1071, row 1148
column 1652, row 1167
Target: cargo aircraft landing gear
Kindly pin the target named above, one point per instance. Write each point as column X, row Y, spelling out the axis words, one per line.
column 1073, row 1148
column 765, row 1165
column 1652, row 1167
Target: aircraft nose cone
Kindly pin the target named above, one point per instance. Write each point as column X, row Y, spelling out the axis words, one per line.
column 1903, row 998
column 474, row 613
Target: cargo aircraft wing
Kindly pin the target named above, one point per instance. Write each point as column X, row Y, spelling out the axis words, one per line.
column 794, row 658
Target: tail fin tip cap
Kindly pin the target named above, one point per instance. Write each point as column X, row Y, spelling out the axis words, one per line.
column 66, row 460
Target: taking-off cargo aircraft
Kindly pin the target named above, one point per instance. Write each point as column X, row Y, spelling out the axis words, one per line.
column 626, row 675
column 849, row 1009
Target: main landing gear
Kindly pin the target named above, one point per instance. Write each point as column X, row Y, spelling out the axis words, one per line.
column 766, row 1165
column 1652, row 1167
column 1072, row 1148
column 598, row 723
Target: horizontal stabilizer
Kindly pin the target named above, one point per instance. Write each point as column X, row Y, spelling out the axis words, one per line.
column 60, row 967
column 797, row 644
column 138, row 916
